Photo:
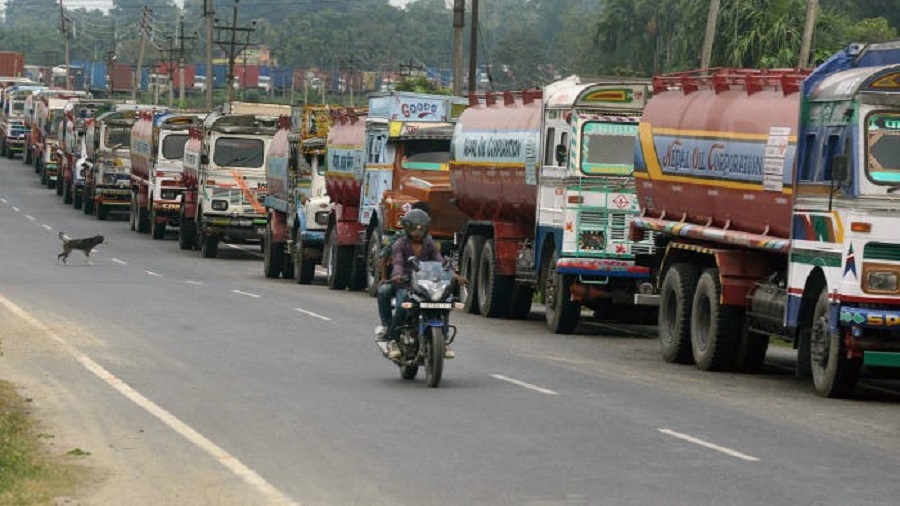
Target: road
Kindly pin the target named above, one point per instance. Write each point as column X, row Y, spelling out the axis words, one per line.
column 198, row 381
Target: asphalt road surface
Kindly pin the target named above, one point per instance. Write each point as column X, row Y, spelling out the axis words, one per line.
column 261, row 391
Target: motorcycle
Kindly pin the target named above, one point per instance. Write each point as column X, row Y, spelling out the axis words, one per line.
column 422, row 338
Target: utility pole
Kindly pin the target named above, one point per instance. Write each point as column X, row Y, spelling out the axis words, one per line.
column 232, row 46
column 181, row 39
column 459, row 23
column 808, row 29
column 711, row 21
column 136, row 80
column 64, row 28
column 473, row 49
column 209, row 13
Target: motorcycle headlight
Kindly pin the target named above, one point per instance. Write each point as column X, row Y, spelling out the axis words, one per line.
column 882, row 281
column 219, row 205
column 433, row 290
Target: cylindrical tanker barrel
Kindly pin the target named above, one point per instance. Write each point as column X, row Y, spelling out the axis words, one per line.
column 718, row 150
column 141, row 146
column 278, row 177
column 346, row 148
column 495, row 158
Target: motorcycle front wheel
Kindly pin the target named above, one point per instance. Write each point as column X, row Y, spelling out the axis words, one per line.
column 409, row 372
column 434, row 357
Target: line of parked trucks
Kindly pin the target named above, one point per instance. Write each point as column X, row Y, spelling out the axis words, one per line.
column 731, row 206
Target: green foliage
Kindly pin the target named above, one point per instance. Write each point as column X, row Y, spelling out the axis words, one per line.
column 421, row 85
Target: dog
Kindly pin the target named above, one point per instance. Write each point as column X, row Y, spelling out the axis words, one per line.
column 85, row 245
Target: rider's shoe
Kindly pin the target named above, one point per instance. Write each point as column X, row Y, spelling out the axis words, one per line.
column 393, row 351
column 448, row 352
column 380, row 333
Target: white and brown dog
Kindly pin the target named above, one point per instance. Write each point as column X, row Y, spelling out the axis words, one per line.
column 85, row 245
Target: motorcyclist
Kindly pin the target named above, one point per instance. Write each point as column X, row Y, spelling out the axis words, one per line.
column 415, row 243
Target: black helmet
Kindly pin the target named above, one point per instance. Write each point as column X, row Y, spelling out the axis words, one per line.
column 416, row 222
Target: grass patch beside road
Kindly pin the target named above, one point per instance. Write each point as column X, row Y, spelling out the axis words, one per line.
column 29, row 475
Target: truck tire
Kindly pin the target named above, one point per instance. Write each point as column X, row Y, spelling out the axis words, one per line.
column 373, row 261
column 493, row 289
column 77, row 199
column 26, row 156
column 187, row 231
column 676, row 299
column 39, row 168
column 67, row 194
column 468, row 268
column 715, row 328
column 209, row 246
column 132, row 213
column 338, row 262
column 273, row 254
column 834, row 374
column 60, row 181
column 143, row 221
column 157, row 228
column 287, row 266
column 102, row 212
column 304, row 268
column 88, row 202
column 561, row 313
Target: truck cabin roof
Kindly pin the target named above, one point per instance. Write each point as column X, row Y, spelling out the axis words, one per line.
column 864, row 80
column 245, row 124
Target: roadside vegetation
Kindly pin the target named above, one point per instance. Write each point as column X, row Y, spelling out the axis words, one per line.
column 29, row 474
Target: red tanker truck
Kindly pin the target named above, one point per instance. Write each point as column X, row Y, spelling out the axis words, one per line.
column 770, row 194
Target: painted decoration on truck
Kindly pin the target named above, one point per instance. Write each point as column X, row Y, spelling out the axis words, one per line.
column 409, row 108
column 277, row 176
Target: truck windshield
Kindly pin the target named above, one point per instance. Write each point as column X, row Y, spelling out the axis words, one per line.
column 431, row 154
column 607, row 148
column 18, row 107
column 883, row 147
column 238, row 152
column 173, row 146
column 118, row 137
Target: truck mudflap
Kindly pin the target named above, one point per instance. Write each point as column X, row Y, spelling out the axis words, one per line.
column 601, row 267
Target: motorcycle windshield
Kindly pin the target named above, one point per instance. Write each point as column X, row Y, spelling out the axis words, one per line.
column 432, row 279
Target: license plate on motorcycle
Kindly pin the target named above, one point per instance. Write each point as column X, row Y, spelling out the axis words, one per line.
column 435, row 305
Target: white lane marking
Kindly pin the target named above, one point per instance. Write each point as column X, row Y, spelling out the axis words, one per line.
column 48, row 227
column 711, row 446
column 310, row 313
column 30, row 217
column 523, row 384
column 151, row 273
column 3, row 200
column 194, row 283
column 229, row 461
column 248, row 294
column 16, row 209
column 121, row 262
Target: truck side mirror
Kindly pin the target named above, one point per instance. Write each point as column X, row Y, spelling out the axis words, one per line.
column 840, row 168
column 561, row 154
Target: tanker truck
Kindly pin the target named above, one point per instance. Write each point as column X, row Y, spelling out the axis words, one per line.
column 297, row 204
column 545, row 177
column 345, row 156
column 407, row 161
column 225, row 178
column 157, row 150
column 771, row 196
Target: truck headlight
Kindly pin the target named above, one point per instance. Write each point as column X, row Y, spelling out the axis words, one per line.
column 219, row 205
column 322, row 217
column 881, row 281
column 169, row 194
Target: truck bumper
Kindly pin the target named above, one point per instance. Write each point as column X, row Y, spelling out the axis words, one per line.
column 167, row 212
column 313, row 238
column 113, row 196
column 239, row 228
column 873, row 333
column 600, row 267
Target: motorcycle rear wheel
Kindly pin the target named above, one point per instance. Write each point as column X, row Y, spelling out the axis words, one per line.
column 434, row 357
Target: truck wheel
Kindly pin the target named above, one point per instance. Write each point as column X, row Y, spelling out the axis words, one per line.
column 67, row 194
column 493, row 289
column 715, row 328
column 77, row 199
column 337, row 262
column 60, row 181
column 306, row 271
column 209, row 246
column 132, row 213
column 39, row 168
column 676, row 299
column 373, row 261
column 562, row 313
column 272, row 255
column 834, row 374
column 751, row 351
column 157, row 228
column 186, row 234
column 468, row 268
column 287, row 266
column 101, row 212
column 26, row 156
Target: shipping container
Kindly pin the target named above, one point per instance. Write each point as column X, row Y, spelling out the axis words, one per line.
column 12, row 64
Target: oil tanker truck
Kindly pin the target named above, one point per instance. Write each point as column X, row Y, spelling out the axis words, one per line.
column 771, row 196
